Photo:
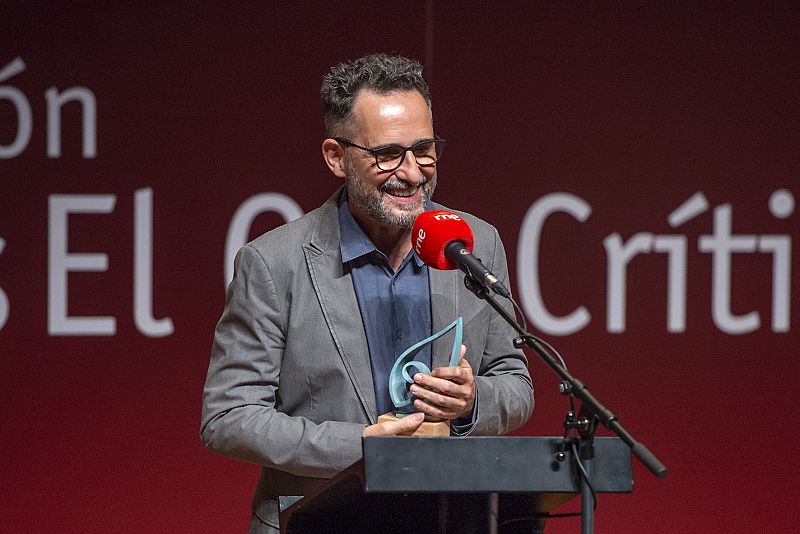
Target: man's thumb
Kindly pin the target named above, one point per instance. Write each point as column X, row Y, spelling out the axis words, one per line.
column 412, row 421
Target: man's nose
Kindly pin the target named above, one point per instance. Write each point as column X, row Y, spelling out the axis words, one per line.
column 410, row 169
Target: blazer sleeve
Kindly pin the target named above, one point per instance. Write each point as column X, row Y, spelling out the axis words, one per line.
column 239, row 415
column 504, row 385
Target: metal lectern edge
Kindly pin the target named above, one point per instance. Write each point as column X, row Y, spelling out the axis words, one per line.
column 488, row 464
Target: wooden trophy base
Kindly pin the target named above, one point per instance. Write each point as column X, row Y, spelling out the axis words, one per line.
column 427, row 428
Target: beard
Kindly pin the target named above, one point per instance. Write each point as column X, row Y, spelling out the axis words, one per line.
column 376, row 204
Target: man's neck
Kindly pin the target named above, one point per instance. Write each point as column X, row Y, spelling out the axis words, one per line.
column 394, row 242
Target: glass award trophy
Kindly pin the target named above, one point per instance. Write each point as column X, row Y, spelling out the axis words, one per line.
column 402, row 376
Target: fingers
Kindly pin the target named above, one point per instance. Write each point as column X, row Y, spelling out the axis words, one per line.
column 400, row 427
column 459, row 374
column 448, row 393
column 442, row 406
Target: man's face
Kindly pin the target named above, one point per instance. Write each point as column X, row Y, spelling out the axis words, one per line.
column 389, row 198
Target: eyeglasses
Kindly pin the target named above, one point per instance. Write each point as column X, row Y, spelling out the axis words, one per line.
column 390, row 157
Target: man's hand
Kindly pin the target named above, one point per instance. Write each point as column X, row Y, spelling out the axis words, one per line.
column 449, row 393
column 404, row 426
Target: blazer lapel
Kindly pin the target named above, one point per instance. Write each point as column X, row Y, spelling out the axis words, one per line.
column 337, row 297
column 444, row 294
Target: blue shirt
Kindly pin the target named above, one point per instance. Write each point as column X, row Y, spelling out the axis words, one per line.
column 395, row 306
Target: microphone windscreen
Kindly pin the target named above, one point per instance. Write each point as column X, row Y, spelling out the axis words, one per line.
column 433, row 231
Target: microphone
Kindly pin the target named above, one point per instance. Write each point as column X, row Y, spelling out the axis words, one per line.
column 443, row 240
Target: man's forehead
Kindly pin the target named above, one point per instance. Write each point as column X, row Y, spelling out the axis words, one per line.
column 393, row 109
column 388, row 110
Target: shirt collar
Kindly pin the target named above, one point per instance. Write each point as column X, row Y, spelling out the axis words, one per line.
column 354, row 241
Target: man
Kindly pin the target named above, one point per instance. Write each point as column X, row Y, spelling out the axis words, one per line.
column 319, row 308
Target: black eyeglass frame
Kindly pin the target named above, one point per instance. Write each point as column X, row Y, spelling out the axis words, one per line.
column 376, row 152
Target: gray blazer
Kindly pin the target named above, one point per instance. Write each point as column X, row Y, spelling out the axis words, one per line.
column 289, row 385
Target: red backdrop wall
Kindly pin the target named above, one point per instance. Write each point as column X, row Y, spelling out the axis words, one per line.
column 630, row 112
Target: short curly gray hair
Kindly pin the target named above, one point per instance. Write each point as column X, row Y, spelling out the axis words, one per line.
column 381, row 73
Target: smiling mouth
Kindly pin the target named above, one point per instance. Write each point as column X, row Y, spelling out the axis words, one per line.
column 402, row 193
column 401, row 190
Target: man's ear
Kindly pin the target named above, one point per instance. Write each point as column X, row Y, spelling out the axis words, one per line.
column 333, row 154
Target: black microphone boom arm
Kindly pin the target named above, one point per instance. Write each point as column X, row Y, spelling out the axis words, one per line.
column 577, row 389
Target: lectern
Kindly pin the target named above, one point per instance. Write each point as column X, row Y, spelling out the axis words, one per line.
column 453, row 485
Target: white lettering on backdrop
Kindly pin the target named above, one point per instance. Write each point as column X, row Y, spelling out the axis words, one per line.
column 62, row 262
column 721, row 244
column 55, row 101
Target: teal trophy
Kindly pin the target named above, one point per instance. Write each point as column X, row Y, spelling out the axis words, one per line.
column 402, row 376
